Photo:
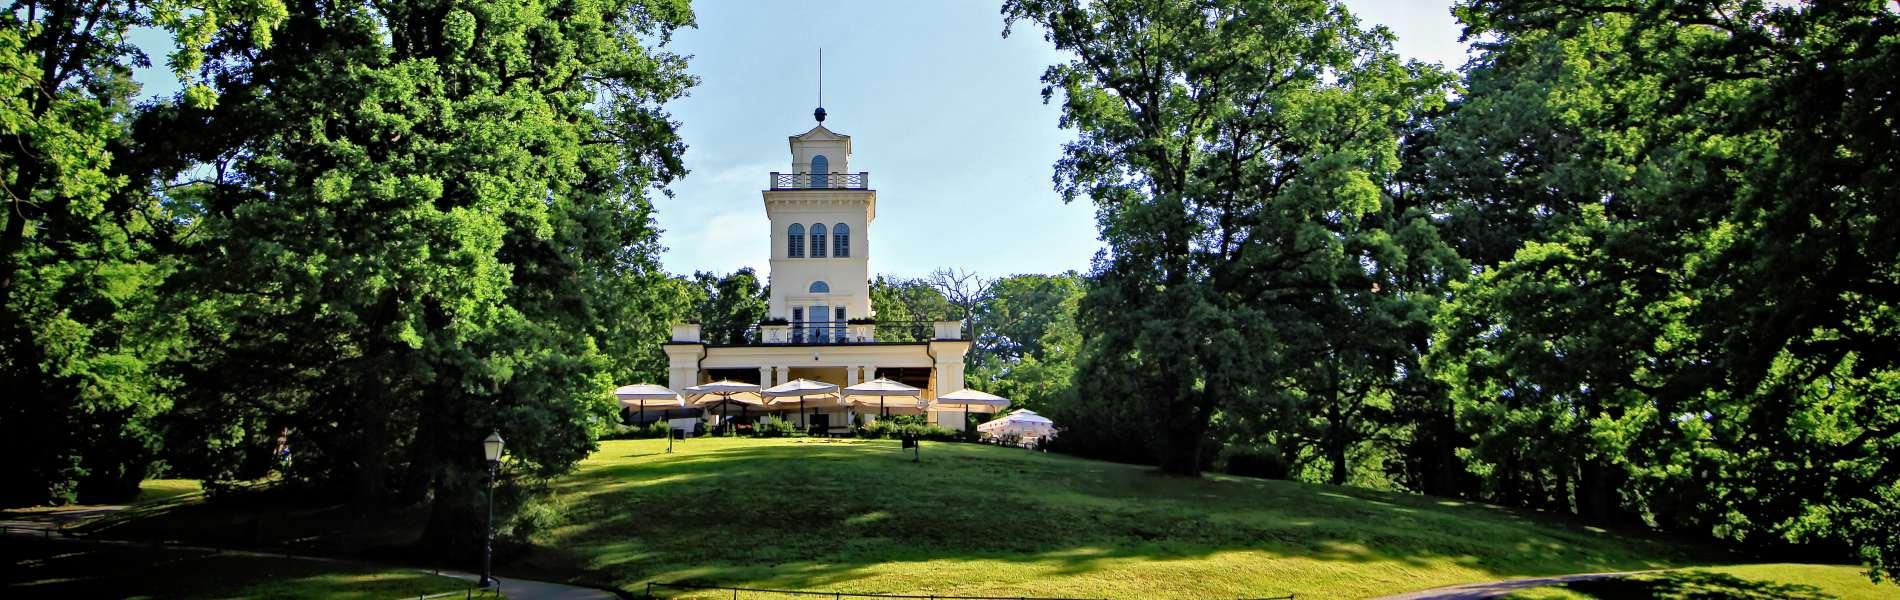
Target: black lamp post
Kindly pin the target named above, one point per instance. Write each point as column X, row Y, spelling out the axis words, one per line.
column 491, row 449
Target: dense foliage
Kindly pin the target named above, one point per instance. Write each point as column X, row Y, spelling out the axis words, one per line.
column 1027, row 340
column 365, row 236
column 82, row 340
column 1705, row 342
column 1641, row 267
column 1234, row 152
column 426, row 215
column 728, row 307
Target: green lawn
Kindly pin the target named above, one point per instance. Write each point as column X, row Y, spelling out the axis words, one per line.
column 979, row 520
column 56, row 569
column 859, row 516
column 1764, row 582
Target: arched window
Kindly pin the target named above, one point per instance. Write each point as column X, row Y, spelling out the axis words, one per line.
column 817, row 240
column 819, row 167
column 795, row 241
column 820, row 287
column 841, row 240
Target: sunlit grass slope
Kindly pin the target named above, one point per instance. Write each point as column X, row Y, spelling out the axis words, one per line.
column 978, row 520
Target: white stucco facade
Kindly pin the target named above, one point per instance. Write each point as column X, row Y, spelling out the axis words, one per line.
column 820, row 324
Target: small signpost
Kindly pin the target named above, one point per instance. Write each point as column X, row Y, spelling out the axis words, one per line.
column 678, row 429
column 915, row 444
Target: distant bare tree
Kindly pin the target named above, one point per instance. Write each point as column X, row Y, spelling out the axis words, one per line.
column 965, row 290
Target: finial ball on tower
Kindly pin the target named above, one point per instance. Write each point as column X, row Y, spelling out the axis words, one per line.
column 819, row 114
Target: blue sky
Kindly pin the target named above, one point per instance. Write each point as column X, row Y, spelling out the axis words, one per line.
column 944, row 112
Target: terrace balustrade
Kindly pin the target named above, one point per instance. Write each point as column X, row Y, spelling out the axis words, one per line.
column 820, row 181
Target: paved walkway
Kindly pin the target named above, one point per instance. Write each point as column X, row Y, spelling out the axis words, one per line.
column 514, row 589
column 1500, row 589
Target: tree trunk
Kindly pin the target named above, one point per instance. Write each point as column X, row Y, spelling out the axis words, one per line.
column 1182, row 435
column 1336, row 426
column 18, row 213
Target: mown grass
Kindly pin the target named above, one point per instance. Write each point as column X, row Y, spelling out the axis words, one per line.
column 859, row 516
column 1747, row 582
column 60, row 569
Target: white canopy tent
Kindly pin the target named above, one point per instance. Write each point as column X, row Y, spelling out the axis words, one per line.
column 642, row 395
column 884, row 394
column 972, row 401
column 725, row 393
column 1023, row 423
column 797, row 390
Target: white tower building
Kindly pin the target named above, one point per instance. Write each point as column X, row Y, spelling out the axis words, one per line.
column 820, row 324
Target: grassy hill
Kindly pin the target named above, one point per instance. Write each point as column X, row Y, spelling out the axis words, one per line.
column 859, row 516
column 976, row 520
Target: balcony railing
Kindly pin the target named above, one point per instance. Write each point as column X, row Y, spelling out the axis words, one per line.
column 821, row 181
column 830, row 332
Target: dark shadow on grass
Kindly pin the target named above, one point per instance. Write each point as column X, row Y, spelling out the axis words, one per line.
column 1695, row 585
column 66, row 569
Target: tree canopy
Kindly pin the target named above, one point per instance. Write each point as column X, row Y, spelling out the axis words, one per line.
column 1234, row 152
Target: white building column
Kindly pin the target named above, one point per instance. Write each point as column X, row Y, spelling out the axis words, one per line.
column 851, row 375
column 781, row 374
column 765, row 376
column 682, row 365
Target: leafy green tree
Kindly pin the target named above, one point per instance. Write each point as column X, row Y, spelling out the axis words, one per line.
column 729, row 306
column 1029, row 339
column 425, row 213
column 1548, row 368
column 904, row 306
column 79, row 329
column 1232, row 149
column 1717, row 330
column 1029, row 315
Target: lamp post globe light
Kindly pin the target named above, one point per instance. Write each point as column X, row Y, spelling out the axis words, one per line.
column 491, row 450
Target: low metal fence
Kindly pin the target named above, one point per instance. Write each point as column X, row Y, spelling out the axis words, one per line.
column 656, row 590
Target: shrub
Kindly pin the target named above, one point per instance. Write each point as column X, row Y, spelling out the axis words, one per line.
column 1261, row 461
column 877, row 430
column 656, row 429
column 927, row 432
column 774, row 427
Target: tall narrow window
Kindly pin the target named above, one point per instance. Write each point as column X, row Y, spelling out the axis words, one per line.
column 820, row 324
column 817, row 240
column 819, row 167
column 795, row 241
column 841, row 240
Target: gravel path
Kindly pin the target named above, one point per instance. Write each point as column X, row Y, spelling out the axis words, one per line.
column 1499, row 589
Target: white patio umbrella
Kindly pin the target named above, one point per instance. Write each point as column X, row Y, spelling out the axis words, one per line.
column 728, row 393
column 970, row 400
column 884, row 393
column 643, row 395
column 797, row 390
column 1021, row 422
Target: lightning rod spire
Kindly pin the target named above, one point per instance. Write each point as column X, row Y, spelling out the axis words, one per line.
column 820, row 113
